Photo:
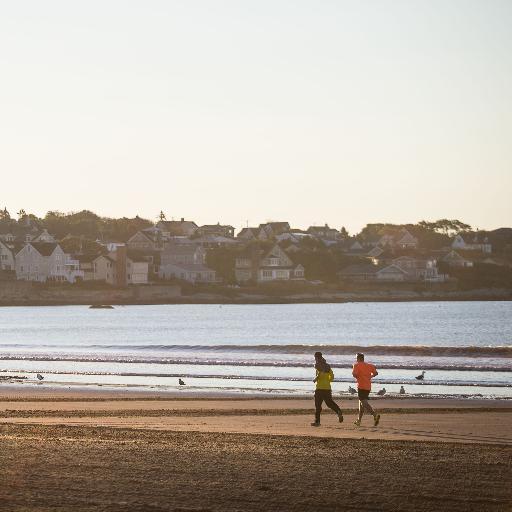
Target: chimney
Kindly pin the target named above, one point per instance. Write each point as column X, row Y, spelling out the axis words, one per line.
column 182, row 219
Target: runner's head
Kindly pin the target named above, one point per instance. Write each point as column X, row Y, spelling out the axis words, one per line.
column 360, row 356
column 318, row 356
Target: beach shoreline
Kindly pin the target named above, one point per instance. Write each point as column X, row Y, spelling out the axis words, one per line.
column 22, row 294
column 105, row 450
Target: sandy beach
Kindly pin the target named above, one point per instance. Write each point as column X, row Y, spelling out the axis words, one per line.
column 69, row 450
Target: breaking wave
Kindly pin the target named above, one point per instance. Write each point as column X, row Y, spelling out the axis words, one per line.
column 504, row 351
column 403, row 365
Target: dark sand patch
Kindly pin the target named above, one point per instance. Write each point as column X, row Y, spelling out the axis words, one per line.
column 103, row 469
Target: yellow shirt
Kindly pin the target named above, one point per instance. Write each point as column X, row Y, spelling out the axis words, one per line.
column 324, row 379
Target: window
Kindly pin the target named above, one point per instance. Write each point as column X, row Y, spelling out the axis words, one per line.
column 267, row 274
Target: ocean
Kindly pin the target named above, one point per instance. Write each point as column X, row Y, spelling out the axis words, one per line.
column 465, row 348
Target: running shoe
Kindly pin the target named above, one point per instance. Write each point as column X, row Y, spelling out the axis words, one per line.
column 376, row 420
column 315, row 424
column 340, row 417
column 357, row 423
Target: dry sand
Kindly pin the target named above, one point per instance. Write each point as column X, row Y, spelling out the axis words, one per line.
column 82, row 451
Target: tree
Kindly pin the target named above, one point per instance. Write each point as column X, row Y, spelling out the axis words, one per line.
column 445, row 226
column 5, row 215
column 344, row 232
column 162, row 216
column 22, row 214
column 222, row 260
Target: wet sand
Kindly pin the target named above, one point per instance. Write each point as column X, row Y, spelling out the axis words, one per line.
column 82, row 451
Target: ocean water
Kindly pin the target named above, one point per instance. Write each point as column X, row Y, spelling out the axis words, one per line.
column 465, row 348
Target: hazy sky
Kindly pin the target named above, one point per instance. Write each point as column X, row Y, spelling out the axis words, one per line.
column 234, row 111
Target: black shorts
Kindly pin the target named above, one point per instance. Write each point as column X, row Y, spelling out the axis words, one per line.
column 363, row 394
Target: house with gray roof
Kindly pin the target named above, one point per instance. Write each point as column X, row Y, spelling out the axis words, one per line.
column 454, row 259
column 472, row 242
column 187, row 262
column 358, row 272
column 215, row 230
column 43, row 261
column 324, row 233
column 177, row 227
column 255, row 264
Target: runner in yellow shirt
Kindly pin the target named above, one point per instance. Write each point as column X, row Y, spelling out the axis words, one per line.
column 323, row 393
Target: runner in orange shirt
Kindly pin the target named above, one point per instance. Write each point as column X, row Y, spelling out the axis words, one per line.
column 363, row 373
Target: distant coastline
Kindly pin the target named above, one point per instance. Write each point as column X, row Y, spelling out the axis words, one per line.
column 172, row 294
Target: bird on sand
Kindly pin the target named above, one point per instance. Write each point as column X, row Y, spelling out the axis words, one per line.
column 382, row 392
column 420, row 377
column 39, row 376
column 402, row 390
column 181, row 382
column 351, row 390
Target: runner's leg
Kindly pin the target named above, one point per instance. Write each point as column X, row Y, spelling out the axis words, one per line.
column 363, row 402
column 331, row 403
column 368, row 407
column 318, row 404
column 361, row 410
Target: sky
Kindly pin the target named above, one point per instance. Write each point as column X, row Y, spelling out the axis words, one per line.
column 338, row 112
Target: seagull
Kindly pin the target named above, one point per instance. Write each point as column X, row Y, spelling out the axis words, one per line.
column 181, row 382
column 382, row 392
column 402, row 390
column 421, row 377
column 39, row 376
column 351, row 390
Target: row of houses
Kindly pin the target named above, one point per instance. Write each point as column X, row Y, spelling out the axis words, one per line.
column 47, row 262
column 177, row 250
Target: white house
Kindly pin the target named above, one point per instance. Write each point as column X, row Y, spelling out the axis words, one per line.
column 42, row 262
column 472, row 242
column 274, row 265
column 419, row 269
column 137, row 270
column 7, row 260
